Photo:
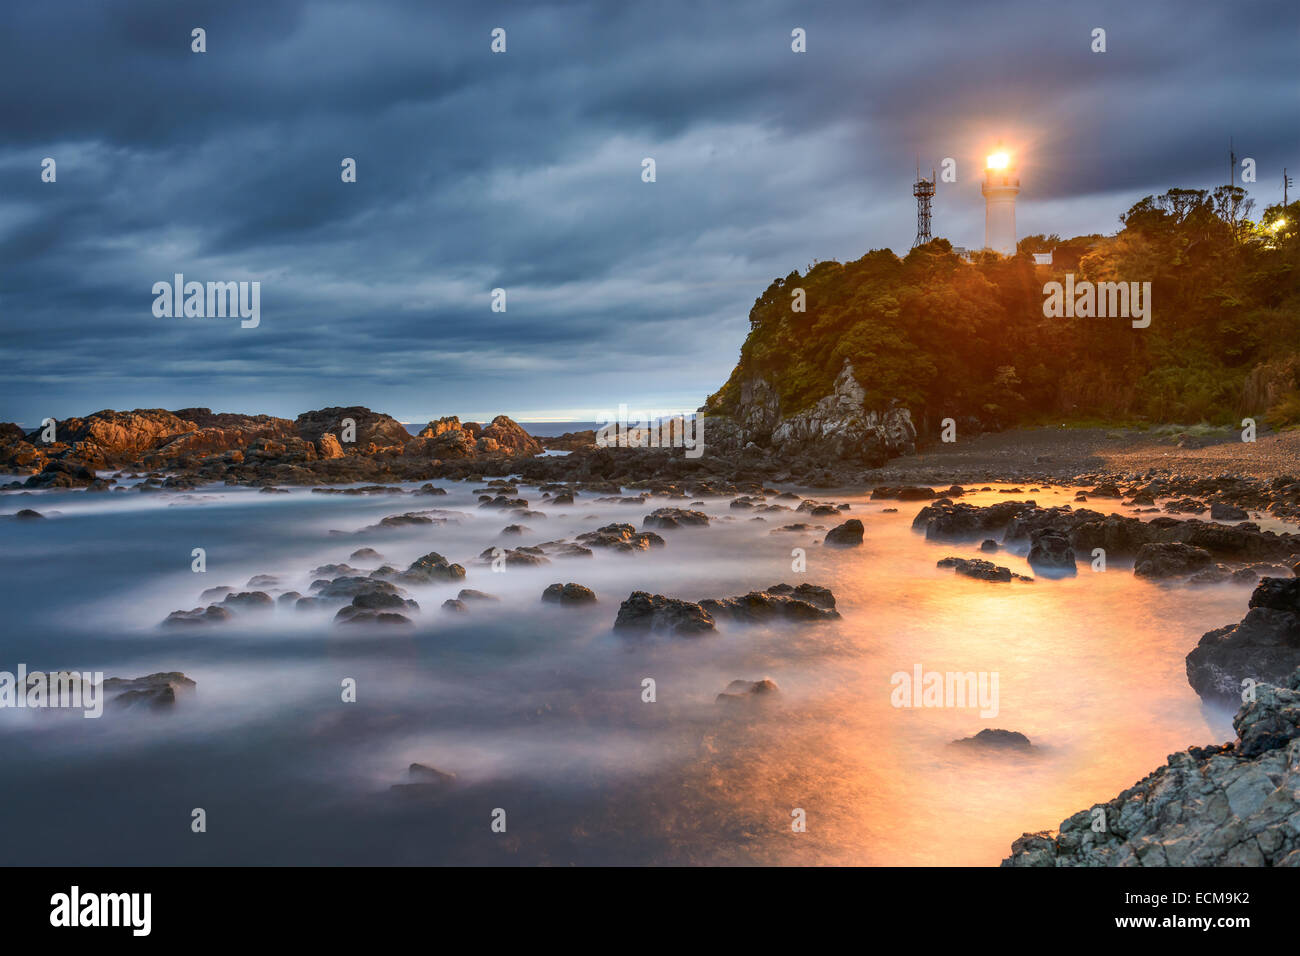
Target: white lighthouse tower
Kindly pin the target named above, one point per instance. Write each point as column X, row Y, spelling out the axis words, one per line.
column 1000, row 186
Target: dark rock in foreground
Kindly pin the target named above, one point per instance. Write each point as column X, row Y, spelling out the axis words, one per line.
column 1264, row 646
column 1230, row 805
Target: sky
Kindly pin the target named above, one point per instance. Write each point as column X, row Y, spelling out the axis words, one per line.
column 523, row 170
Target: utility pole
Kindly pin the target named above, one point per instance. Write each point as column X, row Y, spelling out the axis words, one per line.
column 1286, row 182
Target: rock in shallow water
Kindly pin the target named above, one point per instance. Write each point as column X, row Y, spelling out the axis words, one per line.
column 996, row 739
column 569, row 595
column 658, row 614
column 980, row 569
column 1264, row 646
column 847, row 535
column 743, row 691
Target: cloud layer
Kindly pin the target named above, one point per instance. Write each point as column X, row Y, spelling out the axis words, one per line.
column 523, row 171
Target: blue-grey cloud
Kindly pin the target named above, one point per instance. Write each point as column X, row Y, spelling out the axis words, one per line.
column 522, row 171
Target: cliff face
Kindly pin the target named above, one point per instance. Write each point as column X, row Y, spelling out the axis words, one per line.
column 1231, row 805
column 838, row 428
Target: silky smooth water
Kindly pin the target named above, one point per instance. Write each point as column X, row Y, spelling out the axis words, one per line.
column 538, row 709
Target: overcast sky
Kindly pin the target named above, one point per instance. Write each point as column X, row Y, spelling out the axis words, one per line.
column 522, row 170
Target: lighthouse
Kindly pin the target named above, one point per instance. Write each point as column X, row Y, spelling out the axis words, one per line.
column 1000, row 186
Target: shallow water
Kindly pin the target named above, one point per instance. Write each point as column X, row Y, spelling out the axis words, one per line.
column 538, row 709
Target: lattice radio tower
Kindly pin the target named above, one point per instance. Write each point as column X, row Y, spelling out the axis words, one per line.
column 923, row 190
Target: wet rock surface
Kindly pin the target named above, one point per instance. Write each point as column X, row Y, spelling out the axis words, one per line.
column 1263, row 647
column 1230, row 805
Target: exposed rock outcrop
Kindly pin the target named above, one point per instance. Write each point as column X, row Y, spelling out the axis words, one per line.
column 1230, row 805
column 1264, row 646
column 839, row 427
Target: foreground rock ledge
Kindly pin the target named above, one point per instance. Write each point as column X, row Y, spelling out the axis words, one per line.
column 1234, row 805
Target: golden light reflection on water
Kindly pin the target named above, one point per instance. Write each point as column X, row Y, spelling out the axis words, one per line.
column 1090, row 668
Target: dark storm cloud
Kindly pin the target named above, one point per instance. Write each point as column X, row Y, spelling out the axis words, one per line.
column 523, row 171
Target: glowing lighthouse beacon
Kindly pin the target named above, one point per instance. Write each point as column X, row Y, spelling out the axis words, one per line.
column 1000, row 186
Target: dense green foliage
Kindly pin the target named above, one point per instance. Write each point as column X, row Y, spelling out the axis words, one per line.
column 955, row 337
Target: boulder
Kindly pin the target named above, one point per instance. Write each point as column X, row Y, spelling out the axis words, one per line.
column 846, row 535
column 1263, row 647
column 655, row 613
column 1170, row 559
column 569, row 595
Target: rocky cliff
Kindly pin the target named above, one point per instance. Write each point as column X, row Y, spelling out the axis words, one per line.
column 839, row 428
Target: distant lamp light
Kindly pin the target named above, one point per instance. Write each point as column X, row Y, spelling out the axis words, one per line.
column 999, row 161
column 1278, row 225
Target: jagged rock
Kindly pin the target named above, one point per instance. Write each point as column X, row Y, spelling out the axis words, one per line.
column 1264, row 646
column 1170, row 559
column 979, row 569
column 154, row 690
column 659, row 614
column 838, row 428
column 469, row 594
column 455, row 605
column 212, row 614
column 328, row 447
column 569, row 595
column 994, row 739
column 1222, row 511
column 529, row 557
column 365, row 554
column 372, row 428
column 430, row 569
column 368, row 604
column 1051, row 553
column 847, row 535
column 988, row 545
column 668, row 518
column 1230, row 805
column 448, row 438
column 812, row 593
column 249, row 600
column 813, row 604
column 946, row 521
column 621, row 537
